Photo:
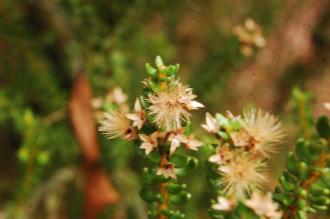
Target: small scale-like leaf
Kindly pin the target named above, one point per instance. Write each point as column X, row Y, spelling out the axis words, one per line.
column 323, row 127
column 151, row 70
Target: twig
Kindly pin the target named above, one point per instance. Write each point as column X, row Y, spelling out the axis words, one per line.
column 290, row 43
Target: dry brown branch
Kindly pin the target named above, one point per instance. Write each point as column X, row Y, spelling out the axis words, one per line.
column 291, row 43
column 99, row 191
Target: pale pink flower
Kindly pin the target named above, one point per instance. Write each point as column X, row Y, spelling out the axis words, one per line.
column 222, row 156
column 170, row 106
column 138, row 117
column 216, row 158
column 117, row 96
column 114, row 124
column 97, row 102
column 167, row 170
column 149, row 143
column 250, row 36
column 194, row 105
column 191, row 143
column 264, row 206
column 176, row 138
column 230, row 115
column 265, row 129
column 327, row 105
column 240, row 138
column 223, row 204
column 211, row 126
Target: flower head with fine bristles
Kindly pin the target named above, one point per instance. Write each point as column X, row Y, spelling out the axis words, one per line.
column 170, row 106
column 114, row 124
column 242, row 174
column 265, row 129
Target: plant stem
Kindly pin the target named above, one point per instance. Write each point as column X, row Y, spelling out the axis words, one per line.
column 164, row 205
column 162, row 187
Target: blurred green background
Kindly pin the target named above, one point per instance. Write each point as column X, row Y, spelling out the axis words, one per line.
column 45, row 43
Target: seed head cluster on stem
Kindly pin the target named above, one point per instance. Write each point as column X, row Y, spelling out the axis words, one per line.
column 157, row 125
column 245, row 144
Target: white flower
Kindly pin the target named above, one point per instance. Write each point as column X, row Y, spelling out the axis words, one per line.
column 191, row 143
column 215, row 158
column 250, row 36
column 138, row 117
column 211, row 125
column 166, row 169
column 230, row 115
column 170, row 106
column 176, row 138
column 97, row 102
column 222, row 156
column 264, row 206
column 117, row 96
column 240, row 138
column 114, row 124
column 223, row 204
column 194, row 105
column 149, row 143
column 265, row 129
column 242, row 175
column 327, row 105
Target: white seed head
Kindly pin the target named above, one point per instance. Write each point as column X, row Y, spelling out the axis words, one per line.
column 170, row 107
column 265, row 129
column 242, row 175
column 114, row 124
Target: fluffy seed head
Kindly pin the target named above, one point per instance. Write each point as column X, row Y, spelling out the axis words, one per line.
column 114, row 124
column 242, row 175
column 265, row 129
column 170, row 107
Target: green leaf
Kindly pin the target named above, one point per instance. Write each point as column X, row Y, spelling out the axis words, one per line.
column 175, row 188
column 323, row 127
column 180, row 198
column 166, row 212
column 159, row 61
column 151, row 70
column 191, row 164
column 152, row 214
column 303, row 170
column 319, row 200
column 316, row 190
column 302, row 214
column 302, row 149
column 170, row 70
column 292, row 163
column 179, row 160
column 148, row 195
column 287, row 186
